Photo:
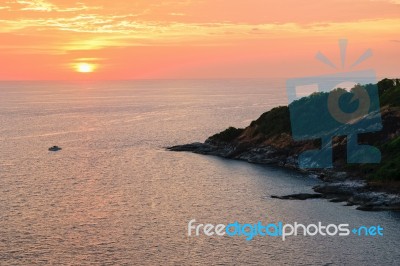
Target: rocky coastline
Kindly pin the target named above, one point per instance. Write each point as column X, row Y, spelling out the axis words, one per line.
column 268, row 140
column 337, row 186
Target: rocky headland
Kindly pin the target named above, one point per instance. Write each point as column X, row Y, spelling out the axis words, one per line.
column 268, row 140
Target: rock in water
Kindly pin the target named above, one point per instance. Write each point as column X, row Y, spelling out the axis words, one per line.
column 301, row 196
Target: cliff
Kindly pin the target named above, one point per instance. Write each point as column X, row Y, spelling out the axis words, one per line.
column 268, row 140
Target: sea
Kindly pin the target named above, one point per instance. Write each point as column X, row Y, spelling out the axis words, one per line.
column 115, row 196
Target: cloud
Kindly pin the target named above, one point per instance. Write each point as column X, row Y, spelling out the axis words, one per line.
column 46, row 6
column 36, row 5
column 80, row 27
column 126, row 26
column 396, row 2
column 95, row 32
column 177, row 14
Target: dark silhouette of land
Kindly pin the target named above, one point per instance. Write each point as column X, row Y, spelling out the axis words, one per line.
column 268, row 140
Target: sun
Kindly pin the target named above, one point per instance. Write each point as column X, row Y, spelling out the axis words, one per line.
column 85, row 67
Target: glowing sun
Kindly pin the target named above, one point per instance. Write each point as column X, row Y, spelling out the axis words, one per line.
column 85, row 67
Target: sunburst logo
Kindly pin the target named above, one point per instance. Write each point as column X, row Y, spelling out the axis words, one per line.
column 343, row 52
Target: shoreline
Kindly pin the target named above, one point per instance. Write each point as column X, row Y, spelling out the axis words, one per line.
column 337, row 186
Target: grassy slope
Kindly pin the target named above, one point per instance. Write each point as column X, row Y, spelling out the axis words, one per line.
column 273, row 128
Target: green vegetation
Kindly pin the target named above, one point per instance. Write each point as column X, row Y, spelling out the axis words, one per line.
column 227, row 135
column 389, row 92
column 389, row 168
column 277, row 122
column 273, row 122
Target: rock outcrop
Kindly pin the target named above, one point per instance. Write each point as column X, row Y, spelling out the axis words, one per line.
column 268, row 140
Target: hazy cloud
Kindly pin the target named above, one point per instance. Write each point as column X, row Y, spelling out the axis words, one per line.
column 47, row 6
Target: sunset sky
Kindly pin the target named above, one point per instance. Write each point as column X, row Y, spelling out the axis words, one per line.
column 51, row 39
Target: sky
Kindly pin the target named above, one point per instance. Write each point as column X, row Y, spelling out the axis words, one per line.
column 149, row 39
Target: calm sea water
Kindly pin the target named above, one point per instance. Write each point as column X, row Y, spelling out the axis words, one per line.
column 114, row 196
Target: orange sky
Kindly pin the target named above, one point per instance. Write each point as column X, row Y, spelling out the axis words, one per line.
column 45, row 39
